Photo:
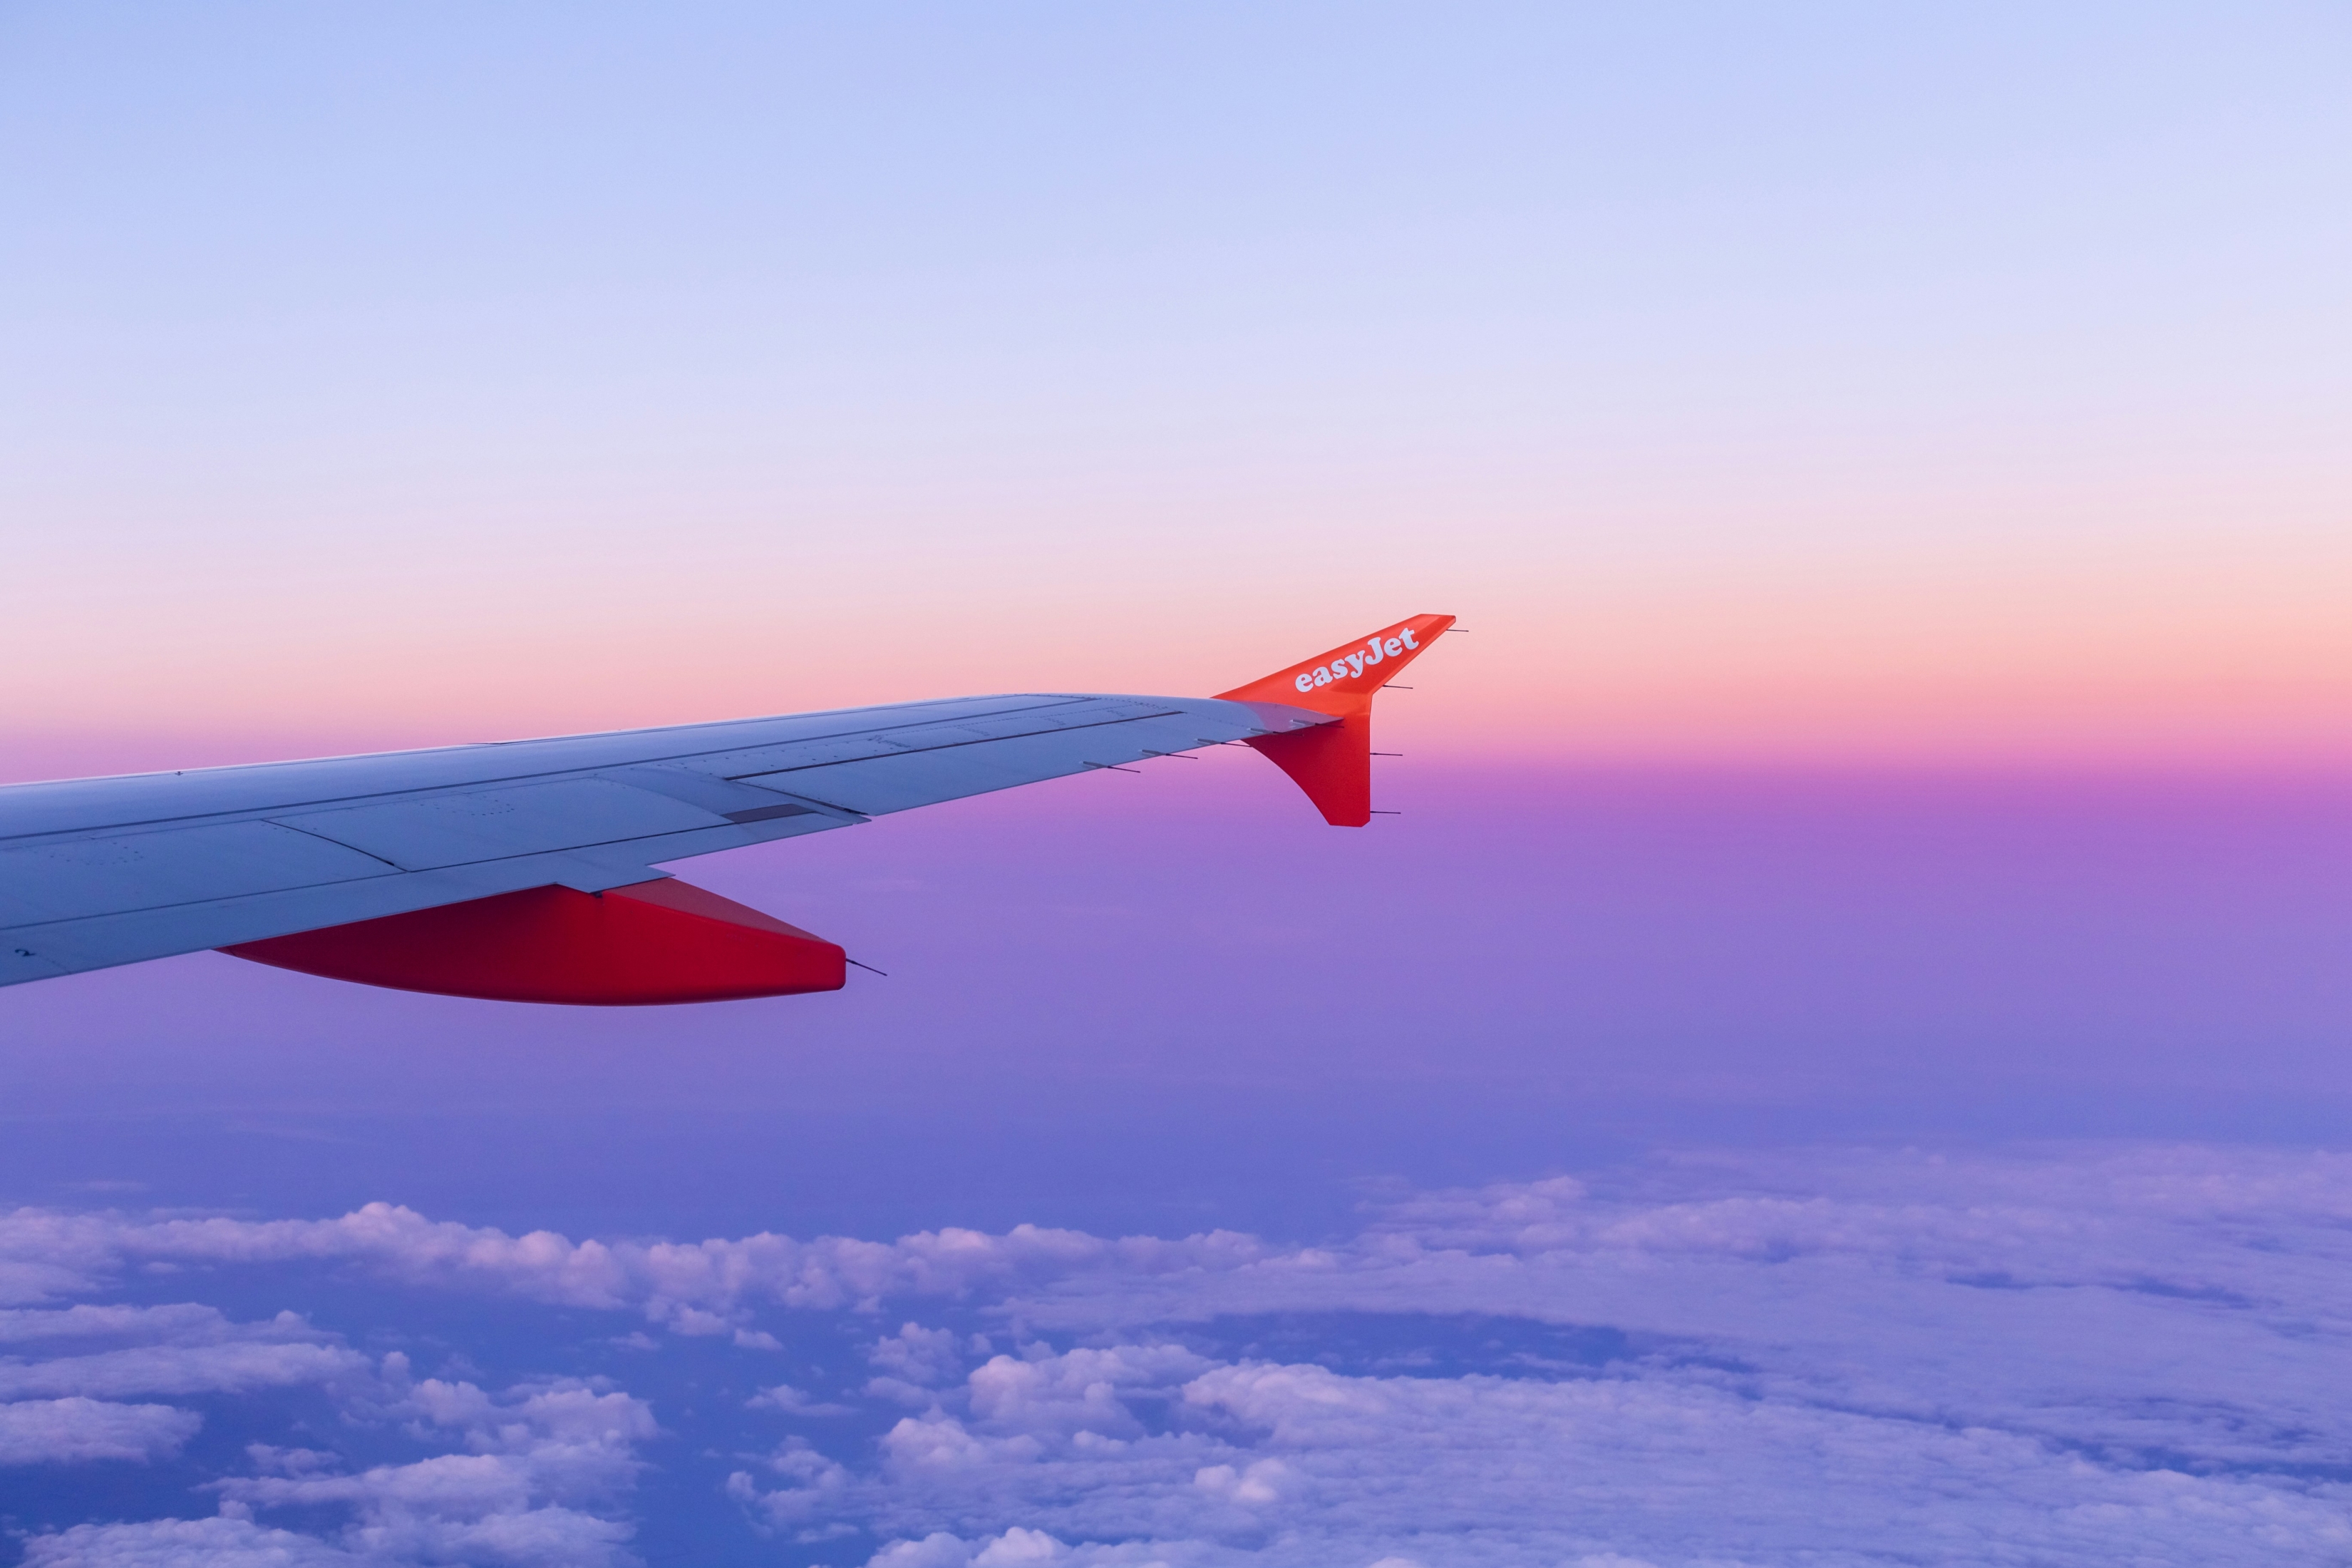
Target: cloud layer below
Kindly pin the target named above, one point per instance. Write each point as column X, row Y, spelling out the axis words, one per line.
column 2067, row 1355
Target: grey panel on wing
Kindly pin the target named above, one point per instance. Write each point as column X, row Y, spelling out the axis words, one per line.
column 128, row 936
column 919, row 729
column 951, row 768
column 736, row 747
column 70, row 878
column 453, row 829
column 226, row 856
column 736, row 802
column 37, row 951
column 325, row 784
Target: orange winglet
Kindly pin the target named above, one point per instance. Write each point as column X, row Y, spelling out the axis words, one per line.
column 1333, row 762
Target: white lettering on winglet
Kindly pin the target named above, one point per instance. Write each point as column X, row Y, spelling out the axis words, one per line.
column 1352, row 666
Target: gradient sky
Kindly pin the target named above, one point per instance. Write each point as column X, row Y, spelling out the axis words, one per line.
column 1845, row 1055
column 1815, row 382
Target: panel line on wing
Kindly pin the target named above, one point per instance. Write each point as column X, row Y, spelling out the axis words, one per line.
column 176, row 821
column 953, row 745
column 338, row 843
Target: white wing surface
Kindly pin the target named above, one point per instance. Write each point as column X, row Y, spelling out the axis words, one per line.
column 96, row 872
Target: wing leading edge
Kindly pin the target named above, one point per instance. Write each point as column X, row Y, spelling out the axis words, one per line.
column 482, row 870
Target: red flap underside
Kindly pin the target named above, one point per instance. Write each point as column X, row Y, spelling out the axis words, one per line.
column 654, row 942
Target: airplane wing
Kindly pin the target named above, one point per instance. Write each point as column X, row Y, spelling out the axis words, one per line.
column 525, row 870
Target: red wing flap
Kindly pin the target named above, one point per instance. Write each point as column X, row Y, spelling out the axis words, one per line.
column 1333, row 762
column 656, row 942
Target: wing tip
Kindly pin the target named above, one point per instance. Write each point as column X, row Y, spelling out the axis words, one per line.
column 1331, row 762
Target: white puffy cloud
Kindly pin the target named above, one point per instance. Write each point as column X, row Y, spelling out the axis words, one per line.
column 176, row 1369
column 919, row 1355
column 525, row 1480
column 564, row 1440
column 537, row 1462
column 1081, row 1391
column 77, row 1429
column 552, row 1537
column 220, row 1542
column 538, row 1459
column 1018, row 1548
column 546, row 1536
column 938, row 1550
column 177, row 1350
column 1262, row 1482
column 790, row 1401
column 912, row 1362
column 815, row 1485
column 686, row 1282
column 940, row 1443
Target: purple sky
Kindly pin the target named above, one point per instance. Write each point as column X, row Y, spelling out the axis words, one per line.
column 1525, row 968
